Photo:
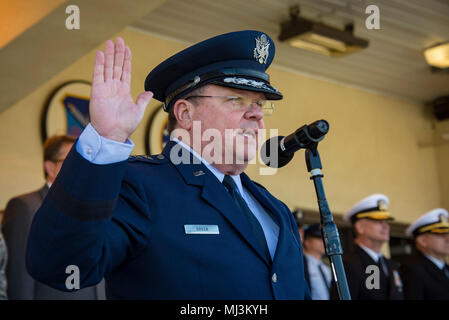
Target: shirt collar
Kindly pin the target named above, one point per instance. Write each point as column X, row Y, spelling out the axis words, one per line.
column 439, row 263
column 373, row 254
column 217, row 173
column 312, row 258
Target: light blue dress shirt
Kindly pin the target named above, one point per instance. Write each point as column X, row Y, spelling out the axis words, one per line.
column 99, row 150
column 373, row 254
column 319, row 288
column 439, row 263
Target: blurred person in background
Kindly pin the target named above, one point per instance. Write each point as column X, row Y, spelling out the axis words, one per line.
column 369, row 218
column 3, row 259
column 426, row 273
column 16, row 223
column 318, row 275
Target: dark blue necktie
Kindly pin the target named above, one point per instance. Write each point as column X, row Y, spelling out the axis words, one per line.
column 229, row 183
column 383, row 265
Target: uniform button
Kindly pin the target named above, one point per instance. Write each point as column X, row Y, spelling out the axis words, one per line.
column 160, row 156
column 89, row 150
column 274, row 278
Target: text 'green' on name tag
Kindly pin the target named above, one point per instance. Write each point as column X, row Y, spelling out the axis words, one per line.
column 201, row 229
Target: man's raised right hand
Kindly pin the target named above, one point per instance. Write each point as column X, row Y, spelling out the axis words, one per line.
column 113, row 112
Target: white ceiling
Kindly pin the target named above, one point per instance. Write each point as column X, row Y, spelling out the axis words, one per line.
column 393, row 64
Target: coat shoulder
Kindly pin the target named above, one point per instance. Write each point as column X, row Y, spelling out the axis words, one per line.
column 140, row 167
column 412, row 263
column 28, row 199
column 259, row 185
column 149, row 159
column 352, row 259
column 33, row 195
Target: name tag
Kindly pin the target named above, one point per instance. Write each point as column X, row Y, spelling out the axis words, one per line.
column 201, row 229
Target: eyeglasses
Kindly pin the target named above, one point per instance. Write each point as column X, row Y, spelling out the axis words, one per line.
column 244, row 103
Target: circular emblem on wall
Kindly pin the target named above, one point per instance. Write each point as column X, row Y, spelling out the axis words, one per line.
column 156, row 133
column 66, row 110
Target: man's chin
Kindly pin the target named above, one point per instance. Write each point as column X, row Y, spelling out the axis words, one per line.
column 244, row 158
column 246, row 153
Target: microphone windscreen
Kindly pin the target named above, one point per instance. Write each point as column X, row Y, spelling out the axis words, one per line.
column 271, row 154
column 318, row 129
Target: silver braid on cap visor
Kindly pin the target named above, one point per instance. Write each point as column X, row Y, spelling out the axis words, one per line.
column 248, row 82
column 220, row 74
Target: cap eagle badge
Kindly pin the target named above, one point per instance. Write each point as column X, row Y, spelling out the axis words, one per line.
column 261, row 49
column 382, row 205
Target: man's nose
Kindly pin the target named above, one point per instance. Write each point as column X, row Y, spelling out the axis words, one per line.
column 385, row 224
column 254, row 112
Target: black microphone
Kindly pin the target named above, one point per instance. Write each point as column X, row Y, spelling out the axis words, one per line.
column 278, row 151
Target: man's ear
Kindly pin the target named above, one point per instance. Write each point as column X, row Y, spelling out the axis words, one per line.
column 305, row 243
column 183, row 111
column 49, row 167
column 358, row 226
column 421, row 241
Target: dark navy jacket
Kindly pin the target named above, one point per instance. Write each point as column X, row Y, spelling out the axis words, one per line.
column 423, row 280
column 125, row 221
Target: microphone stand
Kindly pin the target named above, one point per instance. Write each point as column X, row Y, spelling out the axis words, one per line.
column 329, row 231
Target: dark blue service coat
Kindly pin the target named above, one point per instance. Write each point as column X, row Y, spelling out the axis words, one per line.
column 125, row 222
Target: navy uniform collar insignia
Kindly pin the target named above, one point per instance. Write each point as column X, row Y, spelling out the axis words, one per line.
column 198, row 173
column 261, row 50
column 155, row 159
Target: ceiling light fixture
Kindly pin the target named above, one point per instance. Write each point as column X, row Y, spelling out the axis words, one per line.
column 438, row 55
column 317, row 37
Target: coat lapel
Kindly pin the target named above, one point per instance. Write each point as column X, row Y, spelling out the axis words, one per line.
column 365, row 257
column 436, row 273
column 216, row 195
column 273, row 210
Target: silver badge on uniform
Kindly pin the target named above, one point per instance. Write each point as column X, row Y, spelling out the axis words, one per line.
column 201, row 229
column 261, row 49
column 397, row 279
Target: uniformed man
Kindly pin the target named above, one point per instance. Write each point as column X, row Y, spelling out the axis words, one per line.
column 370, row 275
column 318, row 275
column 426, row 273
column 173, row 226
